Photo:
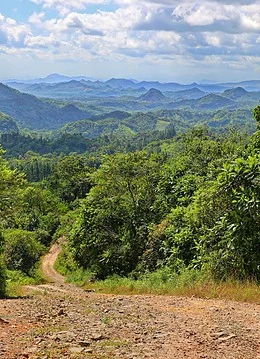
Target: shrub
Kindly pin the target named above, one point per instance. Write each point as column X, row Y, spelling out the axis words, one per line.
column 2, row 277
column 21, row 250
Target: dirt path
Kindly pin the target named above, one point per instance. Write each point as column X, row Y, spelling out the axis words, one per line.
column 48, row 262
column 59, row 321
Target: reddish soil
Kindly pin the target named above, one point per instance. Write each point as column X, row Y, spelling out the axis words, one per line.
column 58, row 320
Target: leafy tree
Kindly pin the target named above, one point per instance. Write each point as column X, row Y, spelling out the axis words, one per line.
column 39, row 211
column 10, row 182
column 2, row 267
column 112, row 232
column 21, row 250
column 237, row 230
column 254, row 142
column 71, row 178
column 221, row 225
column 256, row 113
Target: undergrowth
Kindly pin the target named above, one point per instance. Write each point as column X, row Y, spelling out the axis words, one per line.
column 16, row 280
column 189, row 282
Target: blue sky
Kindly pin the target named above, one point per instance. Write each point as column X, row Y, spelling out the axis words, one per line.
column 18, row 9
column 165, row 40
column 21, row 10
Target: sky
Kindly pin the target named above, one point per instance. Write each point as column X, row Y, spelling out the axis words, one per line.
column 164, row 40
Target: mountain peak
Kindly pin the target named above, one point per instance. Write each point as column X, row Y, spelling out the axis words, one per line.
column 235, row 93
column 152, row 95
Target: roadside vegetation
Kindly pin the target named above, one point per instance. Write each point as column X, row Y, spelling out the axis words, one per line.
column 177, row 215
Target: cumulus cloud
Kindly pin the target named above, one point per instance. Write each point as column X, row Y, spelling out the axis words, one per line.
column 42, row 42
column 171, row 3
column 203, row 17
column 36, row 19
column 155, row 31
column 150, row 28
column 12, row 33
column 65, row 6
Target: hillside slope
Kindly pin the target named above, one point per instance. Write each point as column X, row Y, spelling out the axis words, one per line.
column 7, row 124
column 33, row 113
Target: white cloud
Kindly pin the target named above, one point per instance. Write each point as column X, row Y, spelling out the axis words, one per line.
column 42, row 42
column 154, row 33
column 177, row 2
column 37, row 19
column 196, row 15
column 203, row 16
column 12, row 33
column 65, row 6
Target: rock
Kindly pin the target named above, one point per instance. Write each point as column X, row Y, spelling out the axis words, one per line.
column 98, row 337
column 76, row 350
column 61, row 312
column 88, row 351
column 63, row 332
column 224, row 339
column 84, row 343
column 219, row 334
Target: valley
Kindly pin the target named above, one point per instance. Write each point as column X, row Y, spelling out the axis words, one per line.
column 125, row 107
column 156, row 189
column 129, row 179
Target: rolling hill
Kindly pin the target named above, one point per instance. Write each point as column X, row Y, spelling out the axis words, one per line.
column 153, row 95
column 64, row 87
column 33, row 113
column 36, row 113
column 7, row 124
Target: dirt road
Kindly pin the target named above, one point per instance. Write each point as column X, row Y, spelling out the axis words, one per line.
column 58, row 320
column 48, row 262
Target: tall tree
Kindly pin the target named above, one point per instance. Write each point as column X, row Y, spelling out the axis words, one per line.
column 112, row 232
column 10, row 181
column 71, row 178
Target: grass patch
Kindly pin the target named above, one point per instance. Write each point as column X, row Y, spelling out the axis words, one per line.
column 188, row 282
column 16, row 280
column 110, row 343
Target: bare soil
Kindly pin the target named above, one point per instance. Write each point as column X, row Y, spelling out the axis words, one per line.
column 58, row 320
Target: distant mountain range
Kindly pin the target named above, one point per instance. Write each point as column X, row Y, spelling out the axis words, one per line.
column 52, row 78
column 50, row 106
column 30, row 112
column 80, row 87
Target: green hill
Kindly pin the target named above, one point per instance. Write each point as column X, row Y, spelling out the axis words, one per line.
column 7, row 124
column 152, row 95
column 33, row 113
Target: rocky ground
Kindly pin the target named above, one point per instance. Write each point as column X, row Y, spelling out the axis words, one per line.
column 58, row 320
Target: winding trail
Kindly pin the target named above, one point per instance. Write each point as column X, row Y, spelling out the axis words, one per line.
column 48, row 262
column 56, row 282
column 61, row 321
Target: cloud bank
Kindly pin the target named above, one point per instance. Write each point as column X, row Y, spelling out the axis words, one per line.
column 152, row 33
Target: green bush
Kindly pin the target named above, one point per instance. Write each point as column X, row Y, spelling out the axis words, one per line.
column 2, row 277
column 2, row 268
column 21, row 250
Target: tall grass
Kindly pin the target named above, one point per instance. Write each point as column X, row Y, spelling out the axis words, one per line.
column 16, row 280
column 189, row 282
column 163, row 282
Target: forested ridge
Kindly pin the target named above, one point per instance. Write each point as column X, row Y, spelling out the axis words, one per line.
column 133, row 204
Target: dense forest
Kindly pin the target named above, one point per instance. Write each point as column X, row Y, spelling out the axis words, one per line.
column 131, row 203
